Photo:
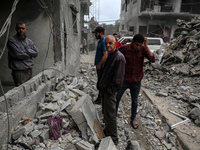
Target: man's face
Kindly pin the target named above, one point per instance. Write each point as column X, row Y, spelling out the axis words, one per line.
column 115, row 37
column 136, row 45
column 97, row 35
column 110, row 44
column 21, row 29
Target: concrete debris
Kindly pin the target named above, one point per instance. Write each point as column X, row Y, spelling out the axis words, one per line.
column 133, row 145
column 107, row 144
column 84, row 145
column 176, row 80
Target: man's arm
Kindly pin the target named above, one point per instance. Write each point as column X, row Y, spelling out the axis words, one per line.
column 31, row 50
column 117, row 78
column 146, row 46
column 15, row 51
column 149, row 55
column 103, row 59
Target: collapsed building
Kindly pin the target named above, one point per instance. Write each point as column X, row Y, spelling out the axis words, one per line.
column 155, row 18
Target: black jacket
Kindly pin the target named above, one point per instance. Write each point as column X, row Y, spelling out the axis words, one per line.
column 112, row 74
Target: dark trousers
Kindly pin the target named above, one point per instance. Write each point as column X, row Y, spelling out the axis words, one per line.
column 109, row 110
column 20, row 77
column 134, row 90
column 98, row 75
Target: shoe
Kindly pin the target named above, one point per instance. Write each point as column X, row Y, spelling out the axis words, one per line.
column 97, row 101
column 134, row 124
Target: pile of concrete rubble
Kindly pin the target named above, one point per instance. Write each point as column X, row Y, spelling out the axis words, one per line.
column 178, row 75
column 67, row 119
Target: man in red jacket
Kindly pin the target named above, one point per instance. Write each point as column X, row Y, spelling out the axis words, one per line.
column 118, row 43
column 134, row 54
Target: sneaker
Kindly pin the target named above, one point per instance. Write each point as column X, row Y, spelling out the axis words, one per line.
column 97, row 101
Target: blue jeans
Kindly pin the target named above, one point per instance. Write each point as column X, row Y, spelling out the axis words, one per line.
column 134, row 90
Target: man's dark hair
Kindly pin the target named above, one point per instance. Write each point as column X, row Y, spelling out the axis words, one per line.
column 114, row 34
column 138, row 38
column 19, row 23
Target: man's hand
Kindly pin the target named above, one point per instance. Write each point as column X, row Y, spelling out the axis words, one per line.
column 145, row 41
column 98, row 67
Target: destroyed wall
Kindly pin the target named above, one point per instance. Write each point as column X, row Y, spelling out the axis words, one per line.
column 55, row 30
column 146, row 14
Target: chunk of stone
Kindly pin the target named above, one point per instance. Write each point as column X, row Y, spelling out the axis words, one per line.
column 84, row 114
column 133, row 145
column 162, row 94
column 179, row 57
column 35, row 133
column 44, row 135
column 16, row 134
column 160, row 134
column 84, row 145
column 77, row 91
column 107, row 144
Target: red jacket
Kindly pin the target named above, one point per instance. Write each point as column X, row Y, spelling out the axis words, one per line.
column 118, row 44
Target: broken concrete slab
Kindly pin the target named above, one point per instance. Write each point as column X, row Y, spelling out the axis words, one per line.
column 107, row 144
column 84, row 113
column 84, row 145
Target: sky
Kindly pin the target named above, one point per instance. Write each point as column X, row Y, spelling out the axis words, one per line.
column 109, row 10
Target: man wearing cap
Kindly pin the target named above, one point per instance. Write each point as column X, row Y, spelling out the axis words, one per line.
column 101, row 55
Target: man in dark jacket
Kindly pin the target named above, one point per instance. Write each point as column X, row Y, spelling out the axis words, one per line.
column 109, row 83
column 21, row 50
column 134, row 54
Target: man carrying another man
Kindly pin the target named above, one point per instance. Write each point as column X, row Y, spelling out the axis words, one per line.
column 21, row 50
column 109, row 83
column 134, row 54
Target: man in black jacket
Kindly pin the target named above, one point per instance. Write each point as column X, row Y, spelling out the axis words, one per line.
column 109, row 83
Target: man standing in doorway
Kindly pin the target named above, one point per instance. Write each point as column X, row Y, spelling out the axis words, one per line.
column 101, row 55
column 109, row 83
column 118, row 43
column 21, row 50
column 134, row 54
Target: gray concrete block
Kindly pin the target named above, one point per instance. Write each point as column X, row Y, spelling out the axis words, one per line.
column 16, row 134
column 29, row 127
column 77, row 91
column 84, row 145
column 44, row 135
column 85, row 111
column 35, row 133
column 107, row 144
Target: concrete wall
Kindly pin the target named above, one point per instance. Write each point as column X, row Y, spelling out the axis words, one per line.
column 56, row 32
column 38, row 25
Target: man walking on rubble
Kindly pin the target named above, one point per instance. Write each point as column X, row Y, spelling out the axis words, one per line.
column 101, row 55
column 109, row 83
column 134, row 54
column 21, row 50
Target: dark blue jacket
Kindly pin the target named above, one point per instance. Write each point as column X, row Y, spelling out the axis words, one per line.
column 112, row 74
column 20, row 53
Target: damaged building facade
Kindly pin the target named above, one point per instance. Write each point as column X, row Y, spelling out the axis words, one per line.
column 155, row 18
column 55, row 28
